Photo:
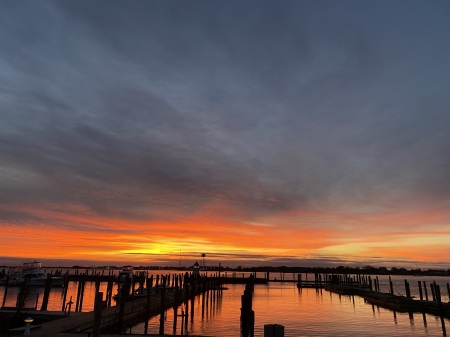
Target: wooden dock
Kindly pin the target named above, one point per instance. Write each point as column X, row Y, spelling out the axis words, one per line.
column 369, row 289
column 129, row 310
column 395, row 302
column 110, row 317
column 89, row 334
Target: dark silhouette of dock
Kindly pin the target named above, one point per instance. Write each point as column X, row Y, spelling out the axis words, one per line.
column 169, row 291
column 369, row 289
column 161, row 293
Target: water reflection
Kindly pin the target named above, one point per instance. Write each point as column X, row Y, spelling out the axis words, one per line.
column 305, row 312
column 439, row 322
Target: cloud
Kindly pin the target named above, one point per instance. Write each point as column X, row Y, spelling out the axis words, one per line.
column 247, row 112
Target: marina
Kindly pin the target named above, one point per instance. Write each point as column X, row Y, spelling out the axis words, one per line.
column 214, row 304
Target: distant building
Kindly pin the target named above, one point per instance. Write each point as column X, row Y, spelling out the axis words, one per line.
column 196, row 271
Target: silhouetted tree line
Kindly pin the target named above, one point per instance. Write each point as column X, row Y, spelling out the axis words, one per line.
column 366, row 270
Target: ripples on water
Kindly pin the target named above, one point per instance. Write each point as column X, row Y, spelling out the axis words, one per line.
column 303, row 313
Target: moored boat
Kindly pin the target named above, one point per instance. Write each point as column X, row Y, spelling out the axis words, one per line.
column 32, row 273
column 124, row 274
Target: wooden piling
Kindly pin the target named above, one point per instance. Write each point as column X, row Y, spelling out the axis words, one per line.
column 407, row 289
column 21, row 296
column 203, row 299
column 247, row 314
column 80, row 308
column 36, row 302
column 448, row 291
column 186, row 302
column 193, row 290
column 148, row 285
column 163, row 307
column 48, row 286
column 433, row 292
column 437, row 291
column 66, row 287
column 425, row 290
column 5, row 293
column 175, row 306
column 420, row 290
column 98, row 307
column 109, row 290
column 124, row 291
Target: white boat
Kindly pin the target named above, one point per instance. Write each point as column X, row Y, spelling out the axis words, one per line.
column 33, row 272
column 124, row 274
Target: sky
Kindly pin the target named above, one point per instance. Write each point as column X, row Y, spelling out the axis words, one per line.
column 298, row 133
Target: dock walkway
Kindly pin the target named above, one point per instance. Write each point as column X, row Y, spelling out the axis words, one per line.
column 129, row 310
column 394, row 302
column 83, row 321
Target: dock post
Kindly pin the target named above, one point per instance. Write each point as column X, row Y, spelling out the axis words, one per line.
column 370, row 283
column 193, row 291
column 48, row 286
column 79, row 295
column 448, row 291
column 36, row 302
column 391, row 287
column 433, row 291
column 151, row 283
column 124, row 292
column 273, row 330
column 98, row 306
column 420, row 290
column 163, row 309
column 437, row 290
column 407, row 290
column 186, row 302
column 175, row 306
column 247, row 314
column 82, row 295
column 21, row 296
column 147, row 308
column 66, row 286
column 203, row 297
column 425, row 290
column 97, row 286
column 5, row 293
column 109, row 289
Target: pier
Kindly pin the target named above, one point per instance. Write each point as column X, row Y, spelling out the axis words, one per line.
column 369, row 289
column 134, row 305
column 143, row 297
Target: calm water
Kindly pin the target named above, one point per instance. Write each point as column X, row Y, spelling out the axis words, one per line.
column 303, row 313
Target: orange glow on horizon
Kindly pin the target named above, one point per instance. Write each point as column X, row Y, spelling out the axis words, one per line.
column 77, row 233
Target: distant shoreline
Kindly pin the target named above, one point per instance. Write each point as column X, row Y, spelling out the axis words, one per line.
column 366, row 270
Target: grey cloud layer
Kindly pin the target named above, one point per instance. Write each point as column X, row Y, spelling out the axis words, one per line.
column 260, row 106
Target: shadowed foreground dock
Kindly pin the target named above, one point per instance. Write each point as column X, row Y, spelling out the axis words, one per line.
column 86, row 334
column 130, row 310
